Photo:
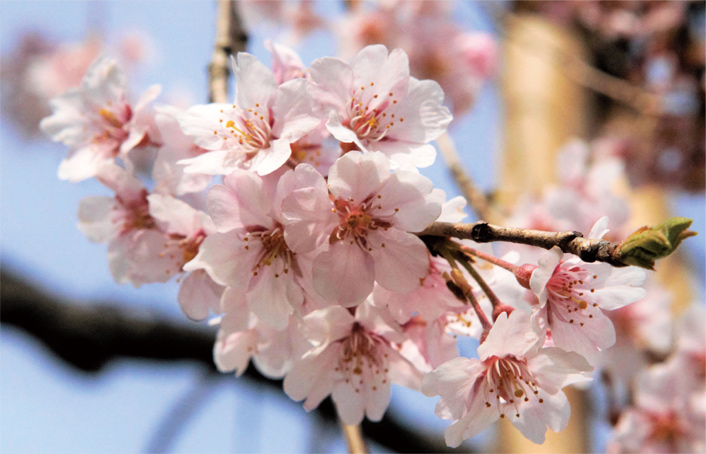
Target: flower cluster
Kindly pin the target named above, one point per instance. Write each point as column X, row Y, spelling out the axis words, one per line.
column 307, row 250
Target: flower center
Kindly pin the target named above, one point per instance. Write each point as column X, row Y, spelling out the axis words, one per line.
column 367, row 115
column 247, row 130
column 362, row 358
column 273, row 248
column 511, row 383
column 666, row 428
column 355, row 221
column 135, row 214
column 190, row 246
column 111, row 125
column 570, row 285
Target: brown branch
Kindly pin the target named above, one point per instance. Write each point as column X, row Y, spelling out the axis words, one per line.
column 230, row 39
column 477, row 200
column 89, row 337
column 589, row 250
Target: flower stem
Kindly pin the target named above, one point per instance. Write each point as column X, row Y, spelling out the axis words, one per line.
column 490, row 258
column 494, row 300
column 354, row 439
column 465, row 287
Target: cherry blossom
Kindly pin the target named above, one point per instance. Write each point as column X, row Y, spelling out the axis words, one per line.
column 251, row 251
column 572, row 296
column 119, row 221
column 286, row 63
column 169, row 176
column 368, row 235
column 98, row 124
column 374, row 105
column 256, row 132
column 182, row 230
column 353, row 359
column 514, row 379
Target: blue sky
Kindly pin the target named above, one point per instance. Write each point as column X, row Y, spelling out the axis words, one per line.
column 47, row 407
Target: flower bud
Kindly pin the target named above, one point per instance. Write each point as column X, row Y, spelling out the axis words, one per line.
column 523, row 274
column 648, row 244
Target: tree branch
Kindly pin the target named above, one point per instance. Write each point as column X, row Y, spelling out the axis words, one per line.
column 477, row 200
column 89, row 337
column 230, row 39
column 588, row 250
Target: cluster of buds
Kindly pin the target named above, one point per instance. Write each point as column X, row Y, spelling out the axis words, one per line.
column 309, row 253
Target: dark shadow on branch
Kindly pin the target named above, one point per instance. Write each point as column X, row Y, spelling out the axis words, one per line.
column 88, row 337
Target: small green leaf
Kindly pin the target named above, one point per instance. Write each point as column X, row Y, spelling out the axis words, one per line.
column 648, row 244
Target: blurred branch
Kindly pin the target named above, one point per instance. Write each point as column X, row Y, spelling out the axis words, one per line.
column 179, row 414
column 475, row 197
column 585, row 74
column 89, row 337
column 230, row 39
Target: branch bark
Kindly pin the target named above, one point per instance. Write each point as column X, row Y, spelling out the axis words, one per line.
column 89, row 337
column 231, row 38
column 588, row 250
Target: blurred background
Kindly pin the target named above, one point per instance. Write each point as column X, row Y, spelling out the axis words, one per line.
column 626, row 76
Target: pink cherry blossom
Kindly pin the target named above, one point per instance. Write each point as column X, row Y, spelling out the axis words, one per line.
column 98, row 124
column 119, row 221
column 182, row 230
column 514, row 379
column 256, row 132
column 431, row 299
column 286, row 63
column 251, row 251
column 374, row 104
column 429, row 343
column 572, row 296
column 368, row 235
column 353, row 359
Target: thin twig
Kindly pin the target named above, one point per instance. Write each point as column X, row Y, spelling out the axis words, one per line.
column 180, row 413
column 476, row 199
column 494, row 300
column 354, row 439
column 230, row 39
column 589, row 250
column 467, row 291
column 511, row 267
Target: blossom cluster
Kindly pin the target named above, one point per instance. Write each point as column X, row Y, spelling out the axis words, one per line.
column 307, row 249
